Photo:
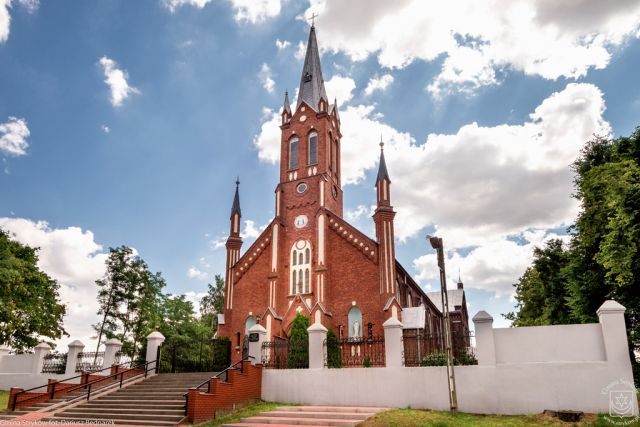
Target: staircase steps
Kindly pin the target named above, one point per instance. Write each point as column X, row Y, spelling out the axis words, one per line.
column 155, row 401
column 287, row 416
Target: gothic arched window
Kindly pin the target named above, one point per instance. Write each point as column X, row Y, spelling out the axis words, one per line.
column 293, row 153
column 313, row 148
column 300, row 268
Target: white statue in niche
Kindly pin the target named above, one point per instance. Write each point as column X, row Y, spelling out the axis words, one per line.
column 356, row 329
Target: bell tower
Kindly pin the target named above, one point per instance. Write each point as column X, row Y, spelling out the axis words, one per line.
column 310, row 170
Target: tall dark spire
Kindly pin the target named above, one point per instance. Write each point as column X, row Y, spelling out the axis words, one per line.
column 382, row 168
column 287, row 105
column 311, row 82
column 235, row 208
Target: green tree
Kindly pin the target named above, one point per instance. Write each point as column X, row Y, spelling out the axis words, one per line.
column 541, row 293
column 334, row 353
column 299, row 343
column 213, row 302
column 29, row 301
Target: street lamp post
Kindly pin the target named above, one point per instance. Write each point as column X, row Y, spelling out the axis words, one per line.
column 436, row 243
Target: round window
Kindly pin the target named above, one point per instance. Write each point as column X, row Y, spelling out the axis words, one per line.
column 301, row 188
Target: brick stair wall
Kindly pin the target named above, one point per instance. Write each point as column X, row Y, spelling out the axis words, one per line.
column 241, row 386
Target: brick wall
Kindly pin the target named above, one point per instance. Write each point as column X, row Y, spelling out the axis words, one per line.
column 240, row 387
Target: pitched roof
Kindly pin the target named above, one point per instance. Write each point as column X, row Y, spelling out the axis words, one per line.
column 287, row 105
column 455, row 297
column 382, row 168
column 311, row 81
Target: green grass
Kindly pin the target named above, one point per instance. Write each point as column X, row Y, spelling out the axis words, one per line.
column 415, row 418
column 244, row 412
column 4, row 398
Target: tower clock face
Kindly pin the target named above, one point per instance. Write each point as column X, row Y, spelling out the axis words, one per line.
column 301, row 221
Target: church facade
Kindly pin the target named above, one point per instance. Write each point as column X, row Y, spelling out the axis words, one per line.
column 309, row 260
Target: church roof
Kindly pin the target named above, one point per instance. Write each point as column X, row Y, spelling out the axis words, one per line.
column 235, row 208
column 311, row 81
column 455, row 296
column 287, row 105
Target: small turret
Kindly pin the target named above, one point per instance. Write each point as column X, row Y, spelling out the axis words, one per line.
column 236, row 213
column 382, row 180
column 286, row 109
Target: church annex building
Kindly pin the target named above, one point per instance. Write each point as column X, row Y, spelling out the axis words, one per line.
column 309, row 260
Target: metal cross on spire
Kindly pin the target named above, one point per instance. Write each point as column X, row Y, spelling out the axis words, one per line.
column 313, row 19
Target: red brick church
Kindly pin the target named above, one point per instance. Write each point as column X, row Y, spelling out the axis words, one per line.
column 309, row 260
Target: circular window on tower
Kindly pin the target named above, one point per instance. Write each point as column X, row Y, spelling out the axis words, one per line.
column 334, row 191
column 301, row 188
column 301, row 221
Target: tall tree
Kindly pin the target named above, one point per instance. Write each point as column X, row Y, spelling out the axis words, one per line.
column 213, row 302
column 29, row 301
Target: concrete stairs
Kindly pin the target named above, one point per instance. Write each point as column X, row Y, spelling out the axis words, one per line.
column 287, row 416
column 156, row 401
column 9, row 415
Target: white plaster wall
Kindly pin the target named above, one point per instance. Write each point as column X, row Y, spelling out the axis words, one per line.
column 503, row 389
column 28, row 380
column 16, row 363
column 558, row 343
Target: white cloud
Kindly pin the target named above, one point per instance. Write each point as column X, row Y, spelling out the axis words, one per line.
column 105, row 128
column 73, row 258
column 282, row 44
column 378, row 84
column 195, row 273
column 249, row 233
column 301, row 51
column 340, row 88
column 268, row 140
column 195, row 298
column 266, row 78
column 172, row 5
column 255, row 11
column 13, row 137
column 5, row 17
column 116, row 79
column 536, row 37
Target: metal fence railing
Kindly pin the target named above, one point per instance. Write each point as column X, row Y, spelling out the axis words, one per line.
column 421, row 349
column 54, row 363
column 285, row 354
column 355, row 352
column 90, row 361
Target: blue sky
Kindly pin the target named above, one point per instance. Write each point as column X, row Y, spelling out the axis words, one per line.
column 127, row 123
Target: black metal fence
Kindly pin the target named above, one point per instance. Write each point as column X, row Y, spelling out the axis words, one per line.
column 123, row 359
column 357, row 352
column 285, row 354
column 422, row 349
column 54, row 363
column 90, row 361
column 187, row 355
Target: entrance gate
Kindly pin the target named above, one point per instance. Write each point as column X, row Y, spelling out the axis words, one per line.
column 187, row 355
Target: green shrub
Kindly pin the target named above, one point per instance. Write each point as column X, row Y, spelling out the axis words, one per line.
column 465, row 358
column 434, row 359
column 299, row 343
column 367, row 362
column 334, row 353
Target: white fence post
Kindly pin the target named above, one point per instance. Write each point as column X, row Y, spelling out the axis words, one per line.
column 39, row 353
column 317, row 337
column 154, row 341
column 111, row 347
column 614, row 332
column 4, row 350
column 393, row 342
column 75, row 348
column 255, row 346
column 485, row 346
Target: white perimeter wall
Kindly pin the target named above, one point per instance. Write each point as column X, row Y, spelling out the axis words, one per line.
column 502, row 389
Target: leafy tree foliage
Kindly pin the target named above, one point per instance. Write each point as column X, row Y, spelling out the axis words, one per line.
column 603, row 258
column 299, row 343
column 334, row 352
column 221, row 353
column 213, row 302
column 30, row 307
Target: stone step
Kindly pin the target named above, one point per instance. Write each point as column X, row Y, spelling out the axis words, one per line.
column 5, row 417
column 366, row 409
column 126, row 405
column 117, row 415
column 144, row 396
column 145, row 387
column 133, row 411
column 119, row 421
column 307, row 414
column 104, row 401
column 302, row 421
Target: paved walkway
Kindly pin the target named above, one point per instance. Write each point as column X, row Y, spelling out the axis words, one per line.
column 286, row 416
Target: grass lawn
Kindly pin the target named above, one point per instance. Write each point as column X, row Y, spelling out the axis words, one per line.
column 238, row 414
column 415, row 418
column 4, row 398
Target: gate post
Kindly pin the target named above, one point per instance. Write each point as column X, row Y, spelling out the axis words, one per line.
column 257, row 335
column 111, row 347
column 317, row 337
column 75, row 348
column 393, row 342
column 39, row 352
column 154, row 341
column 485, row 345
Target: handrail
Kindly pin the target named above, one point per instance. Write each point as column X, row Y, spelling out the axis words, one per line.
column 53, row 385
column 186, row 395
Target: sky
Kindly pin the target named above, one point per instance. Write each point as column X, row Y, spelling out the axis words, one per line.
column 127, row 123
